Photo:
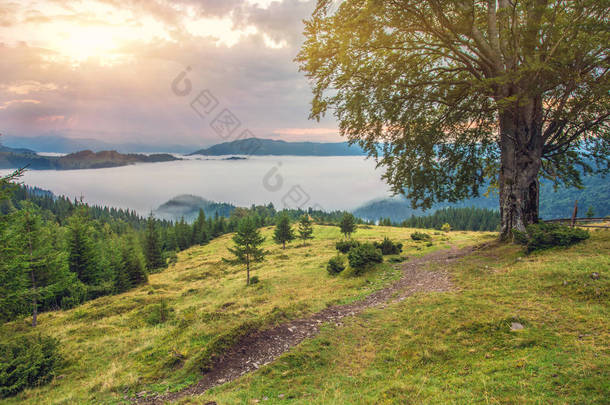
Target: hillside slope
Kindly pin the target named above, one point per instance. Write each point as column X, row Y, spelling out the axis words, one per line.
column 432, row 347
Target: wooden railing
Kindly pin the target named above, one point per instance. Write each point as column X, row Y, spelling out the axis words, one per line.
column 581, row 220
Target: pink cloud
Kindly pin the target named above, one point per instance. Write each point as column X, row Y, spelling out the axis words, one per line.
column 11, row 102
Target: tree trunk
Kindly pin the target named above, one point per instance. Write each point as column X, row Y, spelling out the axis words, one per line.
column 33, row 278
column 521, row 148
column 34, row 302
column 284, row 245
column 248, row 273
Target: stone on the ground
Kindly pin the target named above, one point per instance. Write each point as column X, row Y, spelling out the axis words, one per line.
column 516, row 326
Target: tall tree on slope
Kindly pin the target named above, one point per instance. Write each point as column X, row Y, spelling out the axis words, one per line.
column 459, row 92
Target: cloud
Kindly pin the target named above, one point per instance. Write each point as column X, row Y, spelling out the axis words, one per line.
column 28, row 86
column 10, row 103
column 121, row 87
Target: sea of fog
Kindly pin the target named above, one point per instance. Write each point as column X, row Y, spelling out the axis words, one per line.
column 287, row 181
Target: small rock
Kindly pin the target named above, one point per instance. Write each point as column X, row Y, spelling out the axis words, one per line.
column 516, row 326
column 518, row 258
column 265, row 398
column 281, row 396
column 595, row 275
column 141, row 394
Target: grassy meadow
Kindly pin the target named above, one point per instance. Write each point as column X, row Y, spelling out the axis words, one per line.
column 115, row 346
column 458, row 347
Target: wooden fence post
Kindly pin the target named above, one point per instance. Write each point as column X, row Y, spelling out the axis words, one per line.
column 574, row 213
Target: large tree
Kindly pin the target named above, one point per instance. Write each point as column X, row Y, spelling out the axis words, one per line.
column 453, row 97
column 41, row 263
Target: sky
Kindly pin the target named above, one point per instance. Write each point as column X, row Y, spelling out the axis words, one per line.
column 156, row 71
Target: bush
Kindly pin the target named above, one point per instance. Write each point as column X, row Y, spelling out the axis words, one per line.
column 27, row 362
column 446, row 227
column 335, row 265
column 363, row 256
column 388, row 247
column 254, row 280
column 346, row 246
column 170, row 257
column 547, row 235
column 420, row 236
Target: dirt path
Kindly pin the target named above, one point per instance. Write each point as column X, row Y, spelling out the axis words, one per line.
column 263, row 347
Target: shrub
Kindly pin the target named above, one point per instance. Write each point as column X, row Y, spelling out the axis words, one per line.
column 254, row 280
column 420, row 236
column 547, row 235
column 446, row 227
column 388, row 247
column 363, row 256
column 335, row 265
column 346, row 245
column 170, row 257
column 398, row 259
column 27, row 362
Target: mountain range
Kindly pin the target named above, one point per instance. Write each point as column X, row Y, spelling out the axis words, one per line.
column 15, row 158
column 261, row 147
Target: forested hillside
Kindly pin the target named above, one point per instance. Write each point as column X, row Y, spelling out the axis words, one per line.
column 554, row 203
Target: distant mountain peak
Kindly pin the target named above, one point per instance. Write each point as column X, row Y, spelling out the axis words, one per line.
column 272, row 147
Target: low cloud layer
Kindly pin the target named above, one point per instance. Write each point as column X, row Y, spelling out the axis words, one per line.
column 104, row 69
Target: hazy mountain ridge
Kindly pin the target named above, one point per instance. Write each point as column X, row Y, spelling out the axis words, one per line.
column 86, row 159
column 262, row 147
column 187, row 206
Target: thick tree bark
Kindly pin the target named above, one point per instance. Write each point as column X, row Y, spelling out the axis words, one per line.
column 521, row 147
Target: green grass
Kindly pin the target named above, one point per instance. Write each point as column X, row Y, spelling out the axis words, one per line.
column 113, row 350
column 458, row 347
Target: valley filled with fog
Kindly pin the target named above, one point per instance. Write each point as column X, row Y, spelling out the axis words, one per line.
column 328, row 183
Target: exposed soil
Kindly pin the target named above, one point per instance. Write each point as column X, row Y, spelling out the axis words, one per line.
column 263, row 347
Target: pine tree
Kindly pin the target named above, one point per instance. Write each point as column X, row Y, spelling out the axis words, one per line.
column 39, row 261
column 348, row 224
column 182, row 234
column 305, row 229
column 81, row 253
column 247, row 250
column 134, row 265
column 590, row 212
column 283, row 231
column 153, row 250
column 200, row 232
